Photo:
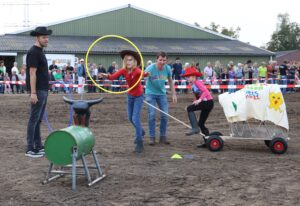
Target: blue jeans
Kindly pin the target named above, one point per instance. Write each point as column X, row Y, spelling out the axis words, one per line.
column 69, row 89
column 291, row 80
column 283, row 81
column 36, row 114
column 162, row 102
column 59, row 88
column 262, row 80
column 231, row 82
column 177, row 83
column 272, row 79
column 115, row 82
column 134, row 108
column 1, row 88
column 239, row 82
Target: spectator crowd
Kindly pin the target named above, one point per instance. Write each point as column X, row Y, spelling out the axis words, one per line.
column 211, row 74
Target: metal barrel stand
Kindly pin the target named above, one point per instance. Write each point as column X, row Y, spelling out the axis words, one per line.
column 75, row 142
column 53, row 174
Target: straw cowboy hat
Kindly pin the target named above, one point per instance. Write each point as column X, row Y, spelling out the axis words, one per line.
column 41, row 30
column 131, row 53
column 191, row 72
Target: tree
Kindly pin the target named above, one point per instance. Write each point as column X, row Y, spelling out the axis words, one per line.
column 286, row 36
column 213, row 27
column 196, row 24
column 231, row 32
column 225, row 31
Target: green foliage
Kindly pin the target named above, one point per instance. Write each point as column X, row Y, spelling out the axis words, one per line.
column 286, row 36
column 231, row 32
column 234, row 33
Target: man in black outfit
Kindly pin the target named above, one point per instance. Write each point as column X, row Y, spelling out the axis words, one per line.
column 283, row 70
column 177, row 70
column 291, row 76
column 37, row 80
column 53, row 66
column 69, row 67
column 101, row 69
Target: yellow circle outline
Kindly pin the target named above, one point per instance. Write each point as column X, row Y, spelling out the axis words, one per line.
column 119, row 37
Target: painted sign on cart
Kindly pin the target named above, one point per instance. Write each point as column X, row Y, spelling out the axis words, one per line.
column 263, row 102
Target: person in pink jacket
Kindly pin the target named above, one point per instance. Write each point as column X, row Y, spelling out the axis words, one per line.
column 203, row 101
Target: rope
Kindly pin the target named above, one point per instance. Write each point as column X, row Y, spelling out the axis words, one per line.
column 188, row 126
column 50, row 129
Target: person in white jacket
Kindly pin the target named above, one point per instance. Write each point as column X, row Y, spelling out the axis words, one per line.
column 15, row 68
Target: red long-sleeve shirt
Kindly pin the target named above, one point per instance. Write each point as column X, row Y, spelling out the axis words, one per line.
column 131, row 78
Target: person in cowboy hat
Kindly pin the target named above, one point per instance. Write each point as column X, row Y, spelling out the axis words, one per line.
column 37, row 81
column 203, row 102
column 135, row 97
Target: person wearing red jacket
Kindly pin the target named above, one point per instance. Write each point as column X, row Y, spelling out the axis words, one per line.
column 135, row 97
column 203, row 101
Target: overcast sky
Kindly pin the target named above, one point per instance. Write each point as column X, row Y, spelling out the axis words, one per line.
column 256, row 18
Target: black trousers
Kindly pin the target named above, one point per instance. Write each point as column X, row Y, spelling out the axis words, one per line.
column 205, row 107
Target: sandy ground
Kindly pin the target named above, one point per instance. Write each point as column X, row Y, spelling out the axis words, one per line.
column 243, row 173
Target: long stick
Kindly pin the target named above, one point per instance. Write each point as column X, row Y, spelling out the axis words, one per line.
column 188, row 126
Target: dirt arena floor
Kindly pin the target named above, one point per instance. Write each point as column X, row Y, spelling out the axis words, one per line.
column 243, row 173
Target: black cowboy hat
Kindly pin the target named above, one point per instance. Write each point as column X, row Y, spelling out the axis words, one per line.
column 41, row 30
column 248, row 61
column 131, row 53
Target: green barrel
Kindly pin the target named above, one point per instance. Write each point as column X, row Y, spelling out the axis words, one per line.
column 59, row 144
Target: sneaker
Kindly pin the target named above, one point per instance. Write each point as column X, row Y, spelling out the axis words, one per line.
column 34, row 154
column 41, row 150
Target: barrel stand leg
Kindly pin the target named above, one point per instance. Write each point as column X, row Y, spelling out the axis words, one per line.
column 86, row 169
column 100, row 173
column 48, row 176
column 74, row 157
column 49, row 172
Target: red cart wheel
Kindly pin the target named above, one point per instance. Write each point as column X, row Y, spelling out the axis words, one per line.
column 278, row 145
column 215, row 143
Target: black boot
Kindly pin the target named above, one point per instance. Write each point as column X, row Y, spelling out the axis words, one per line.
column 203, row 144
column 194, row 123
column 163, row 140
column 205, row 131
column 152, row 141
column 139, row 147
column 143, row 134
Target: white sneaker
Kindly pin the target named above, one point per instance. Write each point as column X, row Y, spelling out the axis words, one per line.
column 33, row 154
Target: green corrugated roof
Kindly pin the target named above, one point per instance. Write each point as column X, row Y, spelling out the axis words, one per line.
column 129, row 21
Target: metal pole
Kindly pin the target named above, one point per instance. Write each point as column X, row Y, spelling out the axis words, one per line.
column 188, row 126
column 48, row 174
column 49, row 171
column 86, row 169
column 97, row 163
column 74, row 157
